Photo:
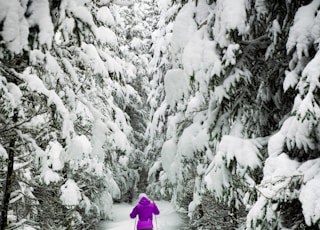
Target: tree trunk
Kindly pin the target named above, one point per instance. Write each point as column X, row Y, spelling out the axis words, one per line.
column 8, row 187
column 9, row 181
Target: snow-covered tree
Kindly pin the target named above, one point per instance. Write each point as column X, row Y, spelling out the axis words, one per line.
column 156, row 131
column 64, row 129
column 239, row 93
column 287, row 192
column 135, row 32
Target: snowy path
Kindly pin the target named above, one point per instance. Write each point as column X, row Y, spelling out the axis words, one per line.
column 167, row 220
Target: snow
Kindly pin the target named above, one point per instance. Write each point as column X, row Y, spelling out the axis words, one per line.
column 278, row 172
column 175, row 94
column 297, row 134
column 80, row 147
column 40, row 16
column 15, row 29
column 300, row 33
column 37, row 85
column 92, row 57
column 70, row 193
column 310, row 199
column 82, row 13
column 112, row 185
column 309, row 195
column 200, row 58
column 124, row 161
column 308, row 105
column 107, row 36
column 168, row 153
column 235, row 77
column 276, row 29
column 257, row 212
column 244, row 151
column 184, row 27
column 202, row 11
column 163, row 4
column 26, row 227
column 217, row 176
column 276, row 144
column 195, row 103
column 220, row 93
column 230, row 54
column 312, row 72
column 281, row 173
column 49, row 176
column 193, row 139
column 53, row 152
column 53, row 68
column 120, row 140
column 197, row 56
column 3, row 153
column 231, row 15
column 98, row 138
column 67, row 26
column 168, row 219
column 291, row 80
column 104, row 15
column 14, row 94
column 153, row 170
column 104, row 203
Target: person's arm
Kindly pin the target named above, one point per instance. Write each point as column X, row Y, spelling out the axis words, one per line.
column 155, row 209
column 134, row 213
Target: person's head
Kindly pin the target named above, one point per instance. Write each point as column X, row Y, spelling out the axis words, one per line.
column 141, row 195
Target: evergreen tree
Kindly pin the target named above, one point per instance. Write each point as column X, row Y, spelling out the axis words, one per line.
column 135, row 32
column 63, row 123
column 234, row 104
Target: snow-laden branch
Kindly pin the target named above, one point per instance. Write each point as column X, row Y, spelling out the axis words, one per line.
column 116, row 2
column 123, row 3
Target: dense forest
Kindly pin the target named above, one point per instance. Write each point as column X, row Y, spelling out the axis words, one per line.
column 210, row 104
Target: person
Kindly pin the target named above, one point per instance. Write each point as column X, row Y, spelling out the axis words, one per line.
column 145, row 209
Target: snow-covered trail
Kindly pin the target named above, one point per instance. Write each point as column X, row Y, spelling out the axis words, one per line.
column 168, row 219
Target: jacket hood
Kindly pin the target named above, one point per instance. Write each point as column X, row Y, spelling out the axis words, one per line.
column 144, row 201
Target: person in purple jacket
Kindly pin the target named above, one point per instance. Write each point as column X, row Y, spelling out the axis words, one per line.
column 145, row 210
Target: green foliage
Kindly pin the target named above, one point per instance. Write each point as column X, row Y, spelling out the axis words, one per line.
column 211, row 214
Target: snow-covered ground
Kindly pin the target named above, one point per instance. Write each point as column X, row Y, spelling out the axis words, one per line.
column 167, row 220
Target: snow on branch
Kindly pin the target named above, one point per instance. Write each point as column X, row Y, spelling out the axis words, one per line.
column 282, row 179
column 70, row 193
column 3, row 153
column 36, row 84
column 246, row 154
column 231, row 15
column 123, row 3
column 309, row 194
column 300, row 36
column 116, row 2
column 174, row 94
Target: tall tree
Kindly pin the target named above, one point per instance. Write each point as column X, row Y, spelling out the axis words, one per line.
column 135, row 32
column 63, row 123
column 238, row 92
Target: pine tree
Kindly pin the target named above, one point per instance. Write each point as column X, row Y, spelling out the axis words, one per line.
column 293, row 144
column 63, row 96
column 135, row 46
column 220, row 122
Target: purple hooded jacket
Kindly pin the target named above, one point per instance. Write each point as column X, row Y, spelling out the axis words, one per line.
column 144, row 209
